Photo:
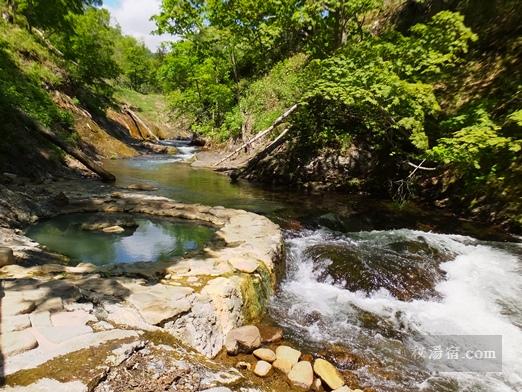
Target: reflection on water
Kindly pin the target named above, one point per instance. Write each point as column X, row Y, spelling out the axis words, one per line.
column 150, row 240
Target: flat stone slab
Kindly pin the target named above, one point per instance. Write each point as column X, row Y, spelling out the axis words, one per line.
column 14, row 343
column 49, row 385
column 58, row 335
column 159, row 303
column 14, row 323
column 34, row 358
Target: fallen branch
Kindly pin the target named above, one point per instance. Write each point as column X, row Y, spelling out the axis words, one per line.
column 420, row 167
column 278, row 121
column 252, row 162
column 79, row 155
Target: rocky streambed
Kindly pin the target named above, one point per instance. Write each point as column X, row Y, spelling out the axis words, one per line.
column 73, row 328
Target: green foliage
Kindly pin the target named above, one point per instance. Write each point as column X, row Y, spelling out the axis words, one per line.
column 268, row 97
column 90, row 48
column 136, row 62
column 477, row 144
column 26, row 73
column 51, row 14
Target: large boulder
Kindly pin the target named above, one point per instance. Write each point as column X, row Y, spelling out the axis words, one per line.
column 243, row 339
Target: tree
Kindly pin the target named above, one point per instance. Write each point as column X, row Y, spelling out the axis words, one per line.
column 51, row 15
column 90, row 47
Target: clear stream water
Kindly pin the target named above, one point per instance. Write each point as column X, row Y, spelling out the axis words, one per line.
column 366, row 281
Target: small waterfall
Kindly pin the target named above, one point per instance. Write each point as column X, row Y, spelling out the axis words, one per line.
column 467, row 287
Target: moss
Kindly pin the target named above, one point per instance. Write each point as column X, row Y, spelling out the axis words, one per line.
column 256, row 290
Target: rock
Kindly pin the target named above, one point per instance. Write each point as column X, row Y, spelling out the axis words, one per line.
column 102, row 326
column 243, row 339
column 344, row 389
column 218, row 389
column 159, row 303
column 288, row 353
column 6, row 256
column 243, row 365
column 16, row 304
column 244, row 265
column 72, row 319
column 318, row 385
column 265, row 354
column 302, row 375
column 262, row 368
column 14, row 343
column 328, row 373
column 57, row 335
column 142, row 187
column 14, row 323
column 113, row 229
column 40, row 319
column 51, row 304
column 283, row 365
column 48, row 385
column 270, row 334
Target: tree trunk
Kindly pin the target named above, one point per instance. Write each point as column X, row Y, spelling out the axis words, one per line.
column 278, row 121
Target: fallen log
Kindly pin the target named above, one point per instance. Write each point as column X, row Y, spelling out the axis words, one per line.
column 252, row 162
column 139, row 123
column 278, row 121
column 79, row 155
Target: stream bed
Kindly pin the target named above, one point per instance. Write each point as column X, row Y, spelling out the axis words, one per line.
column 367, row 283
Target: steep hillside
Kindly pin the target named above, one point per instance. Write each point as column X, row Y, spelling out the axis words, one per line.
column 34, row 80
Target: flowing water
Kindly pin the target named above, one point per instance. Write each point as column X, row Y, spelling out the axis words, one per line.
column 366, row 281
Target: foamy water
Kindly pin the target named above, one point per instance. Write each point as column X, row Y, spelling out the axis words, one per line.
column 480, row 293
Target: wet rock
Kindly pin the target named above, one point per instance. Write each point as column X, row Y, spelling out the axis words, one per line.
column 265, row 354
column 371, row 267
column 142, row 187
column 6, row 256
column 113, row 229
column 288, row 353
column 328, row 373
column 283, row 365
column 262, row 368
column 302, row 375
column 270, row 334
column 243, row 339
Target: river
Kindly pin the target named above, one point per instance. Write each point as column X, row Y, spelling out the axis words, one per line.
column 366, row 281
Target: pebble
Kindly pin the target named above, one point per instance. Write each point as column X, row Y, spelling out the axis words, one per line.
column 302, row 375
column 262, row 368
column 288, row 353
column 265, row 354
column 283, row 365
